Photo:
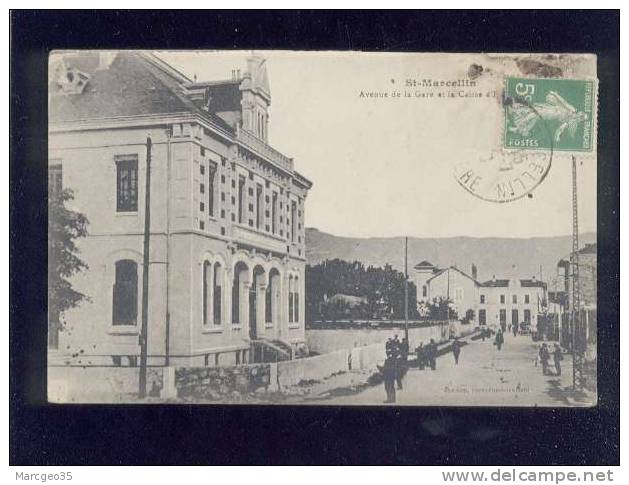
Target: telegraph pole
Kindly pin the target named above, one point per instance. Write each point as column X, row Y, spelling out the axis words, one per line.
column 577, row 355
column 145, row 271
column 406, row 289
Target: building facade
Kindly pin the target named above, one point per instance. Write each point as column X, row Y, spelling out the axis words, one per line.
column 503, row 302
column 227, row 243
column 496, row 303
column 450, row 283
column 562, row 298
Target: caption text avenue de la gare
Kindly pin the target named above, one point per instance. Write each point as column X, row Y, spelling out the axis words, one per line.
column 425, row 88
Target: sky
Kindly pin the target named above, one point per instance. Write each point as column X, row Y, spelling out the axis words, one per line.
column 384, row 167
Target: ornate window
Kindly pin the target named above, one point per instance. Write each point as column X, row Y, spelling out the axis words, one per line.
column 125, row 293
column 217, row 294
column 211, row 188
column 296, row 299
column 127, row 183
column 207, row 281
column 290, row 299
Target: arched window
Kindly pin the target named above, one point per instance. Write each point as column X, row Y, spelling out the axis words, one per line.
column 207, row 281
column 125, row 293
column 217, row 294
column 296, row 299
column 268, row 303
column 290, row 299
column 272, row 295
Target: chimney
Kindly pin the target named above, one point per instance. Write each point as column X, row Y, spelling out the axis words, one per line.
column 474, row 272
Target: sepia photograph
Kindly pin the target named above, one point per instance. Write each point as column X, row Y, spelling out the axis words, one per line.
column 345, row 228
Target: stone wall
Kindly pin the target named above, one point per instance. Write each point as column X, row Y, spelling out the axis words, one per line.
column 324, row 341
column 216, row 382
column 75, row 384
column 292, row 372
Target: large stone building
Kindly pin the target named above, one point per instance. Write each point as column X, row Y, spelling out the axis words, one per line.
column 496, row 302
column 227, row 251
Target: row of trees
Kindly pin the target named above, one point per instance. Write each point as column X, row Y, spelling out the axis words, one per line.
column 340, row 290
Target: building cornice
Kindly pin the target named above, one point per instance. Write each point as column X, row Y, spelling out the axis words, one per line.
column 137, row 121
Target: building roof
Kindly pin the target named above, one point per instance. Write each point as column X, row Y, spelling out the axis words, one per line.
column 503, row 283
column 137, row 83
column 134, row 83
column 424, row 265
column 532, row 283
column 128, row 86
column 225, row 95
column 496, row 283
column 441, row 271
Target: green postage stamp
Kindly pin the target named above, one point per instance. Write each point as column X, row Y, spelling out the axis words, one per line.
column 550, row 114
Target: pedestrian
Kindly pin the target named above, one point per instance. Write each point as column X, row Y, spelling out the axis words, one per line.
column 557, row 357
column 389, row 345
column 432, row 354
column 503, row 326
column 400, row 371
column 388, row 371
column 397, row 345
column 483, row 334
column 404, row 348
column 421, row 357
column 544, row 356
column 515, row 329
column 456, row 350
column 500, row 339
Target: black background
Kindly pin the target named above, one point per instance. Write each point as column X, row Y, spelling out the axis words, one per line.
column 97, row 435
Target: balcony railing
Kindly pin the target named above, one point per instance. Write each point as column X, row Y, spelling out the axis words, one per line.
column 258, row 239
column 259, row 146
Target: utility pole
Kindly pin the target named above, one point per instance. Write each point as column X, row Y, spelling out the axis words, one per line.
column 406, row 289
column 145, row 271
column 577, row 354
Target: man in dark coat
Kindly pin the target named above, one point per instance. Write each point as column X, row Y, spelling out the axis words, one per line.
column 389, row 373
column 432, row 354
column 402, row 362
column 421, row 356
column 456, row 350
column 500, row 339
column 404, row 348
column 544, row 357
column 515, row 329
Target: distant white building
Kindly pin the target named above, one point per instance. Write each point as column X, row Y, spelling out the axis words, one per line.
column 497, row 302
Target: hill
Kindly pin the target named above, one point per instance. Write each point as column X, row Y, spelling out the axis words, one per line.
column 490, row 255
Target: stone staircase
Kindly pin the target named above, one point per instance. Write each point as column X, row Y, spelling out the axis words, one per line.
column 265, row 350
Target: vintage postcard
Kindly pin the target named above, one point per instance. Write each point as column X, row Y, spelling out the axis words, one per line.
column 322, row 228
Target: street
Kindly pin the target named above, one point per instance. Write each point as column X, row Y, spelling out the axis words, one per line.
column 483, row 377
